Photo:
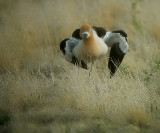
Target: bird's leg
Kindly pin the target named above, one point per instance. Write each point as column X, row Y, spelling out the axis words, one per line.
column 92, row 63
column 84, row 65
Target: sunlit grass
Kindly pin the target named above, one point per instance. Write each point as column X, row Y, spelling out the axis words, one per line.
column 41, row 92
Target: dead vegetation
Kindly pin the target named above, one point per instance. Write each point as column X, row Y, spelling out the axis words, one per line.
column 41, row 92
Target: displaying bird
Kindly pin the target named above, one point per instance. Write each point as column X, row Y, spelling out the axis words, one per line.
column 89, row 43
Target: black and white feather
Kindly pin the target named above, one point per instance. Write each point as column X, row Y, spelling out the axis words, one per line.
column 117, row 40
column 79, row 50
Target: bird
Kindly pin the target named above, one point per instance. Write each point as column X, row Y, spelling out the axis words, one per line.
column 89, row 43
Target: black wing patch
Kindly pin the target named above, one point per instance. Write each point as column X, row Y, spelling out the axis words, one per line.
column 63, row 45
column 123, row 33
column 74, row 61
column 115, row 58
column 76, row 34
column 101, row 32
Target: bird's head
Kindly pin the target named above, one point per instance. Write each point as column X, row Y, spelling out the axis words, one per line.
column 85, row 31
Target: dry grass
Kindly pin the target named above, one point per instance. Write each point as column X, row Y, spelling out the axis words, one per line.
column 41, row 92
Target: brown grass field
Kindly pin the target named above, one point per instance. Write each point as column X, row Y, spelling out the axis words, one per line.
column 40, row 92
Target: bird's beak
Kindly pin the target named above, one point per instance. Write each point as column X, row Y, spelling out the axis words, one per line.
column 85, row 35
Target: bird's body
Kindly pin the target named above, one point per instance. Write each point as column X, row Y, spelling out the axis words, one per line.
column 90, row 49
column 90, row 43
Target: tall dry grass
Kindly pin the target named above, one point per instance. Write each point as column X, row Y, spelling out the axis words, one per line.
column 41, row 92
